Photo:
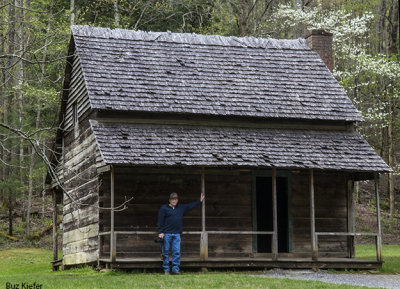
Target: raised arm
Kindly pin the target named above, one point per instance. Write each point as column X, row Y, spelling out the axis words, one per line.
column 190, row 206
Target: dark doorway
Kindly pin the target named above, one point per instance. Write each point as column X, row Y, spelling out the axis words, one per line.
column 264, row 218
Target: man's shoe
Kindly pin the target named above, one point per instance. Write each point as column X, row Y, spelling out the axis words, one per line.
column 166, row 273
column 176, row 273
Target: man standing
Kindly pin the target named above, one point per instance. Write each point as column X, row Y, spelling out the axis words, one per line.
column 170, row 228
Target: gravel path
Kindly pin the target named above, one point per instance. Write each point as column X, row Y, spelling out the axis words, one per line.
column 377, row 281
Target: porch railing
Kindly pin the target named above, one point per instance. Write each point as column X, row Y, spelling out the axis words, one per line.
column 351, row 235
column 113, row 248
column 113, row 245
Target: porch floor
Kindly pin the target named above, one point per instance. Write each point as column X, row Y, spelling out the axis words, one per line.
column 251, row 263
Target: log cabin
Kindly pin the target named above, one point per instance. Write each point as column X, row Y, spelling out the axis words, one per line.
column 261, row 126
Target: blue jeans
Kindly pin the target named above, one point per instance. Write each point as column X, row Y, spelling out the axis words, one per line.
column 173, row 242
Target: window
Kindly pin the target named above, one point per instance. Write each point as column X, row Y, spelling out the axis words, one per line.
column 75, row 113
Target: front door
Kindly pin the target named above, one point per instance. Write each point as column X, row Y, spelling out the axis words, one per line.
column 263, row 214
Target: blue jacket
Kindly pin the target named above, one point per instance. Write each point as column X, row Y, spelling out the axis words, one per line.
column 170, row 219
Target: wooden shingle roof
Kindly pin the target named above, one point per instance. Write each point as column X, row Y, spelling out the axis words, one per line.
column 208, row 75
column 179, row 145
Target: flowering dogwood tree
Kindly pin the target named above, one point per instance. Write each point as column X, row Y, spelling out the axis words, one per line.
column 372, row 80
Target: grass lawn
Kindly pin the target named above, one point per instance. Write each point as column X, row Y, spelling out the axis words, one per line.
column 32, row 265
column 390, row 253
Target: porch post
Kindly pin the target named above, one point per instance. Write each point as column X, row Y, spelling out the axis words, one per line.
column 204, row 234
column 378, row 219
column 275, row 217
column 113, row 245
column 350, row 216
column 312, row 217
column 55, row 235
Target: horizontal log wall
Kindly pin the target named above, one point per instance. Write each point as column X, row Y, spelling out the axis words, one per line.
column 228, row 208
column 81, row 216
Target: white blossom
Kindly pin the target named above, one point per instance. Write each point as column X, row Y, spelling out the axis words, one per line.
column 358, row 71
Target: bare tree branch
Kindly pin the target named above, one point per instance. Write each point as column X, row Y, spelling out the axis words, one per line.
column 19, row 7
column 38, row 147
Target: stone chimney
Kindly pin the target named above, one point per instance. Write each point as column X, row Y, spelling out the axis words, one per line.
column 320, row 41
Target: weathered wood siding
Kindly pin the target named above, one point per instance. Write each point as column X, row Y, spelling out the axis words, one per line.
column 330, row 212
column 80, row 222
column 228, row 207
column 77, row 95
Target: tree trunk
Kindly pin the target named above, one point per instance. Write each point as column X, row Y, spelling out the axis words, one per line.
column 10, row 213
column 28, row 26
column 8, row 100
column 30, row 191
column 381, row 26
column 116, row 14
column 393, row 27
column 37, row 122
column 72, row 5
column 390, row 158
column 20, row 66
column 2, row 84
column 20, row 78
column 55, row 235
column 356, row 191
column 43, row 192
column 298, row 6
column 244, row 11
column 396, row 28
column 255, row 20
column 383, row 135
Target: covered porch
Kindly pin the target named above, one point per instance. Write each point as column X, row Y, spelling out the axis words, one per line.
column 229, row 231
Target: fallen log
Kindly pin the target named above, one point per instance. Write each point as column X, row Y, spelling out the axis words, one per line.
column 12, row 238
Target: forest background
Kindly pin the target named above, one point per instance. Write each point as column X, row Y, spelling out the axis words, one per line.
column 34, row 37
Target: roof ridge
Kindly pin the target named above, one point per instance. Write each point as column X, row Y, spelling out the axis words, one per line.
column 190, row 38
